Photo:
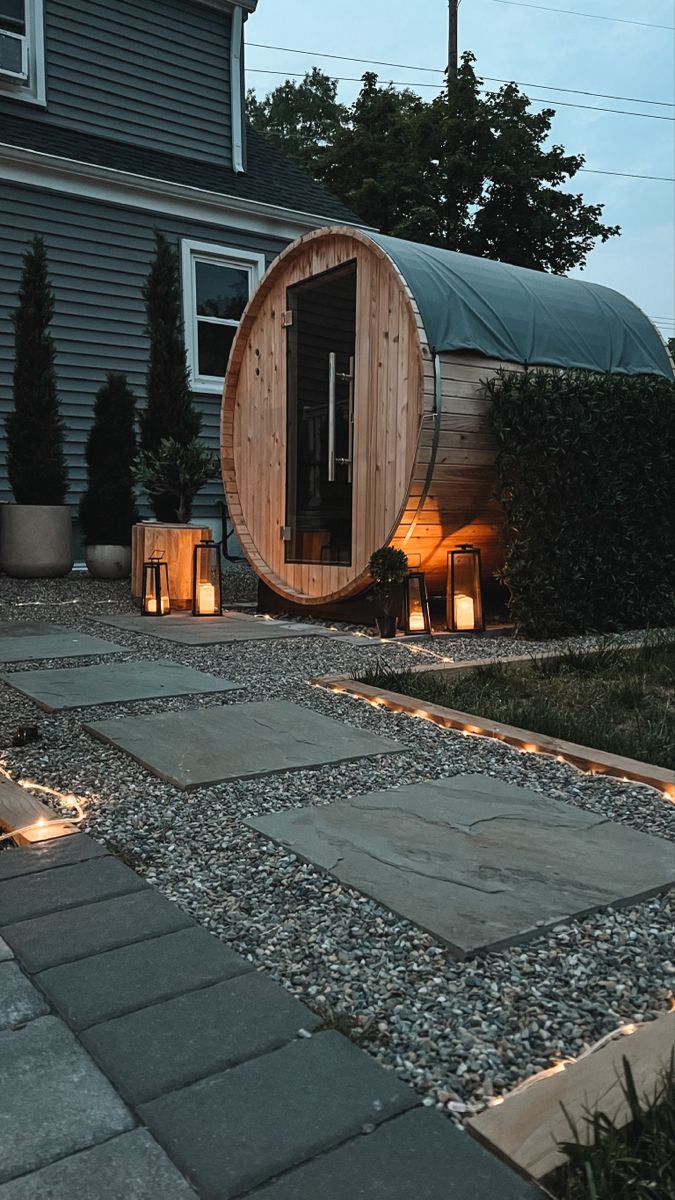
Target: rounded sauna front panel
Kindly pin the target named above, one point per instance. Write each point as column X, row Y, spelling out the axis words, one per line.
column 322, row 413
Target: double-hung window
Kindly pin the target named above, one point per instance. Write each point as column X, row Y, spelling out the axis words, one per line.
column 22, row 73
column 217, row 283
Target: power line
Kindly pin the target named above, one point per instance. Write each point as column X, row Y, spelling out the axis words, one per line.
column 374, row 62
column 623, row 112
column 574, row 12
column 628, row 175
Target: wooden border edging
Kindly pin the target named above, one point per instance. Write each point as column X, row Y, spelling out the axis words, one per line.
column 586, row 758
column 20, row 810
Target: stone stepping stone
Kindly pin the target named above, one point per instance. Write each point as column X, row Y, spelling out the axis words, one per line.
column 130, row 1166
column 419, row 1154
column 212, row 631
column 75, row 933
column 26, row 641
column 240, row 1128
column 165, row 1046
column 55, row 1089
column 475, row 861
column 114, row 683
column 190, row 749
column 19, row 1000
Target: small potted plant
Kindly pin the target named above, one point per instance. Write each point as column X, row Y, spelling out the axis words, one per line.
column 37, row 537
column 388, row 568
column 177, row 472
column 107, row 508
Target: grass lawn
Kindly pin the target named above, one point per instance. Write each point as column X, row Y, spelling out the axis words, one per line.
column 615, row 699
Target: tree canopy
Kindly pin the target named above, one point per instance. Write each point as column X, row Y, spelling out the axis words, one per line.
column 468, row 170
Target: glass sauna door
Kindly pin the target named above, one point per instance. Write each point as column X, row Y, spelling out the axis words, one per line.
column 320, row 405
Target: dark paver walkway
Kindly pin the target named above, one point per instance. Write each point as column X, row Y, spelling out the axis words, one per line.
column 143, row 1059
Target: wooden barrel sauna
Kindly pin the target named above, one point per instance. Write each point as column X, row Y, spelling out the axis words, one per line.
column 354, row 413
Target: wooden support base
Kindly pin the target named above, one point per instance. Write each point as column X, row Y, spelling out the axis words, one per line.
column 176, row 544
column 19, row 809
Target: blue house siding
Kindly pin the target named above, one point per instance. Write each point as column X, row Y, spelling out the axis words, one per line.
column 99, row 256
column 155, row 74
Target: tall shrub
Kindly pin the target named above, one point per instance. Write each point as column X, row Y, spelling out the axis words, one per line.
column 107, row 508
column 169, row 412
column 586, row 464
column 35, row 459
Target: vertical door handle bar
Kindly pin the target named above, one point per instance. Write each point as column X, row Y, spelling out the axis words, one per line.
column 332, row 380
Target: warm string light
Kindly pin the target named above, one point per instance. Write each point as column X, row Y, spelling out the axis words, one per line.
column 42, row 823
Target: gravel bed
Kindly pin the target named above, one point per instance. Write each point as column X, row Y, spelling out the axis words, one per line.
column 457, row 1031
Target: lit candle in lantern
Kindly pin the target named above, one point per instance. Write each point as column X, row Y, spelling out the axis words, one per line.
column 207, row 598
column 416, row 621
column 151, row 604
column 464, row 612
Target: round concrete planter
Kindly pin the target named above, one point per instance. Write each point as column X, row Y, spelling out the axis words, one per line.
column 109, row 562
column 36, row 540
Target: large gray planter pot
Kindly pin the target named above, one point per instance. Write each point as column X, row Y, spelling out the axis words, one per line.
column 36, row 540
column 109, row 562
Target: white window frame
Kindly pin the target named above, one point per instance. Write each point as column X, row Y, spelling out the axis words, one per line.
column 222, row 256
column 34, row 90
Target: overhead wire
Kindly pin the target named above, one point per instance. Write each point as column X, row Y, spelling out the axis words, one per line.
column 574, row 12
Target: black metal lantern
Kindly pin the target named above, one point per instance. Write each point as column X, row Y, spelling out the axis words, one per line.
column 207, row 580
column 155, row 600
column 416, row 604
column 464, row 597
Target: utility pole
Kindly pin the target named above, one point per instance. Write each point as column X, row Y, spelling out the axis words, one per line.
column 453, row 6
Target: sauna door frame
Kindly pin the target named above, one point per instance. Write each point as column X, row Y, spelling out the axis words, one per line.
column 293, row 292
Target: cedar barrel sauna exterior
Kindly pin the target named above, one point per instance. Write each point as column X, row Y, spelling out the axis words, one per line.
column 354, row 414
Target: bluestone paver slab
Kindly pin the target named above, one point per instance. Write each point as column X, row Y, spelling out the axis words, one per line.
column 108, row 985
column 129, row 1167
column 476, row 861
column 113, row 683
column 43, row 856
column 191, row 748
column 213, row 631
column 19, row 1000
column 23, row 642
column 240, row 1128
column 65, row 887
column 60, row 1101
column 74, row 933
column 168, row 1045
column 419, row 1154
column 5, row 951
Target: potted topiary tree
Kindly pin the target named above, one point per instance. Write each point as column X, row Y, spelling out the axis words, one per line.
column 107, row 508
column 388, row 568
column 36, row 538
column 176, row 471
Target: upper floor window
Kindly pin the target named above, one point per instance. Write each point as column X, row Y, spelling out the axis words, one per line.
column 217, row 283
column 22, row 72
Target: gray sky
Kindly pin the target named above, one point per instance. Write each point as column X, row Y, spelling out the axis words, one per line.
column 534, row 47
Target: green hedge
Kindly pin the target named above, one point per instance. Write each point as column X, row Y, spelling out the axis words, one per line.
column 586, row 467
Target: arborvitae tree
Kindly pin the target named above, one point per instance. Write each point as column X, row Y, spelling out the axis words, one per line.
column 107, row 508
column 35, row 460
column 169, row 412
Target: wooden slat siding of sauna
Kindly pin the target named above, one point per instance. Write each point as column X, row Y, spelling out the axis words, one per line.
column 100, row 325
column 154, row 74
column 317, row 253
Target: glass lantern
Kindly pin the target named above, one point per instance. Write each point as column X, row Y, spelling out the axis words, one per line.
column 207, row 582
column 415, row 604
column 464, row 597
column 155, row 599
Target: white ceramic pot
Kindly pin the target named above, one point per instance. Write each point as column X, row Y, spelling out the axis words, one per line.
column 36, row 540
column 109, row 562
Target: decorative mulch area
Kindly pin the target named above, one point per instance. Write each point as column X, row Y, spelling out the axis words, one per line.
column 458, row 1031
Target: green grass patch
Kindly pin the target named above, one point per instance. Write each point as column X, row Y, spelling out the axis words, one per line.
column 615, row 699
column 636, row 1162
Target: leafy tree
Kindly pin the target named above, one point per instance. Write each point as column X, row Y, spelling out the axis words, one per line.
column 178, row 471
column 35, row 460
column 465, row 171
column 671, row 347
column 300, row 119
column 107, row 508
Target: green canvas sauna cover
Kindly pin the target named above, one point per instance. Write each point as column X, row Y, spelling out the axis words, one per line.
column 517, row 315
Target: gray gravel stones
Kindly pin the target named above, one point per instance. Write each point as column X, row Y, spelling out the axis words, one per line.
column 457, row 1032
